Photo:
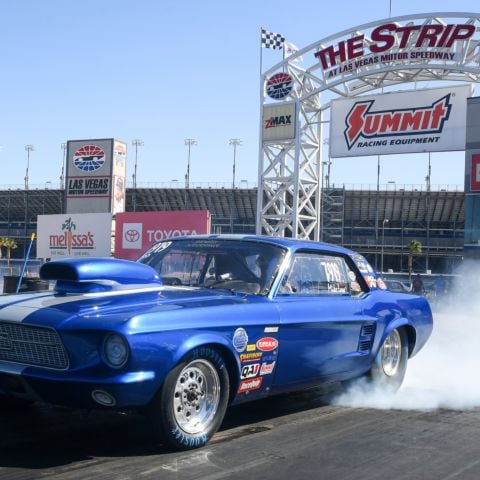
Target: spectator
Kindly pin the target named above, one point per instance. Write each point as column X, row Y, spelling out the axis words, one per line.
column 417, row 285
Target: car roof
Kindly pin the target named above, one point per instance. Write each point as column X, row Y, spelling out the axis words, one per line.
column 289, row 243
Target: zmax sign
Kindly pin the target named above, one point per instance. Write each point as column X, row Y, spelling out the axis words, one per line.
column 278, row 121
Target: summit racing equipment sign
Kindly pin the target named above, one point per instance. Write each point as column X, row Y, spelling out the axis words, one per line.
column 407, row 122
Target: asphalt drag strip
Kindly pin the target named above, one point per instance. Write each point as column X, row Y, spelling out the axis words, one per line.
column 294, row 436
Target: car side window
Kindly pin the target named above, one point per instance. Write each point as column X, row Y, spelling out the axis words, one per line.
column 181, row 268
column 319, row 274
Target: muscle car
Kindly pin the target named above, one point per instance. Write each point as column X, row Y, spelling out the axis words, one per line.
column 200, row 323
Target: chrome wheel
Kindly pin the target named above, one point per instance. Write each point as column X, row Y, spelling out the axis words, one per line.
column 391, row 353
column 196, row 396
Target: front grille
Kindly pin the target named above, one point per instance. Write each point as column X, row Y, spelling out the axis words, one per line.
column 32, row 345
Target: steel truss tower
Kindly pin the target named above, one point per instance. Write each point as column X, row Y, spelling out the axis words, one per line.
column 290, row 171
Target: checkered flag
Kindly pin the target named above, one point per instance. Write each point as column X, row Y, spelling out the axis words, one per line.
column 272, row 40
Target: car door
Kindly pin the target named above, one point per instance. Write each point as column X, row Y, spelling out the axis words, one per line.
column 324, row 334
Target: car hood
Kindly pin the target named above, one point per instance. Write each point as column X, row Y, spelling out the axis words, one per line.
column 102, row 308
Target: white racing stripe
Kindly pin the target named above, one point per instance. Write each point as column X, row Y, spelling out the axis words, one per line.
column 18, row 311
column 17, row 308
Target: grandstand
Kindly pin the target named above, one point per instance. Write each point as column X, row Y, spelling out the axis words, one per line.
column 360, row 218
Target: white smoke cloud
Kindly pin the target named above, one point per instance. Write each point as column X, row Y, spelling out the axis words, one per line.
column 445, row 373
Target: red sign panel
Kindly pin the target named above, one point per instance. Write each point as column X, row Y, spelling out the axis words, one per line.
column 475, row 179
column 136, row 232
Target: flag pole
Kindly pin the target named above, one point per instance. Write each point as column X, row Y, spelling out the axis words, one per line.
column 258, row 226
column 32, row 238
column 261, row 51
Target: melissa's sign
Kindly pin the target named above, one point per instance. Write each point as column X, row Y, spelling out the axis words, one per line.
column 74, row 235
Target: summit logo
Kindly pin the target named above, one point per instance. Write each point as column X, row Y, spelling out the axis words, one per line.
column 363, row 121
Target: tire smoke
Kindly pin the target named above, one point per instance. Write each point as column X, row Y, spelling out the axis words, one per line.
column 444, row 375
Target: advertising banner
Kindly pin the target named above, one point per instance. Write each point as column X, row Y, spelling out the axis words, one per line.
column 74, row 235
column 405, row 122
column 95, row 180
column 119, row 172
column 471, row 236
column 475, row 177
column 402, row 41
column 278, row 121
column 135, row 232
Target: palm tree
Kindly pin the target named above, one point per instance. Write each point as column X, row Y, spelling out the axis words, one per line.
column 414, row 248
column 2, row 244
column 10, row 245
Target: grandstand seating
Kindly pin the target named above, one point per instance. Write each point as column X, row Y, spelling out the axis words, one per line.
column 353, row 217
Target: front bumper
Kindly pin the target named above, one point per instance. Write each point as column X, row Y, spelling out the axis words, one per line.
column 127, row 390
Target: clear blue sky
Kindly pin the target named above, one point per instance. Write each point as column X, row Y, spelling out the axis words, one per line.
column 163, row 71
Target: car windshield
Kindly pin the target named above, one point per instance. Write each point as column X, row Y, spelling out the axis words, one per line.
column 237, row 265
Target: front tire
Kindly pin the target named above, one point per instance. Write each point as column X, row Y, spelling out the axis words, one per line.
column 192, row 402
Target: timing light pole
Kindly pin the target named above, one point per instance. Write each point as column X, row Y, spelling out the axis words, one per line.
column 235, row 142
column 136, row 142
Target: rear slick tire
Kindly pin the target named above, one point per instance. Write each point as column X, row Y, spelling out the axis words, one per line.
column 192, row 402
column 390, row 364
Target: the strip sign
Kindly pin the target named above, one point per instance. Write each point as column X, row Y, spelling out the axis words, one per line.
column 397, row 43
column 405, row 122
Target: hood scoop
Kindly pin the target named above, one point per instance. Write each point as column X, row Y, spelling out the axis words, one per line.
column 93, row 275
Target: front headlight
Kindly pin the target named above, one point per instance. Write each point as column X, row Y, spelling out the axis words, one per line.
column 115, row 350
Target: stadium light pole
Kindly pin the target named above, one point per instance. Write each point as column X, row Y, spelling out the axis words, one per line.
column 28, row 148
column 136, row 142
column 385, row 220
column 189, row 142
column 327, row 175
column 235, row 142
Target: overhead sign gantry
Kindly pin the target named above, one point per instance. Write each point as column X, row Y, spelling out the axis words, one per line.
column 298, row 94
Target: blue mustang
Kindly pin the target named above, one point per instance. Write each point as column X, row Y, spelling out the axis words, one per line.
column 199, row 323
